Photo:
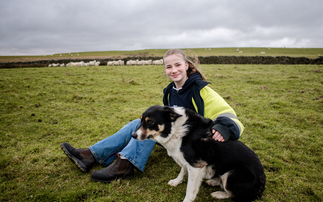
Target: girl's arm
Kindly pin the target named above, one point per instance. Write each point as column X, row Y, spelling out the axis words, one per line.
column 225, row 121
column 227, row 128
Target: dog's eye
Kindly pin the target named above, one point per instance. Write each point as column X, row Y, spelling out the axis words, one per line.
column 149, row 122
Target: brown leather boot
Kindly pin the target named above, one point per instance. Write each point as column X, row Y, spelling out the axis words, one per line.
column 83, row 158
column 119, row 169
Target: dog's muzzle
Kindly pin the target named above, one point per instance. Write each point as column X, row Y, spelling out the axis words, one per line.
column 134, row 135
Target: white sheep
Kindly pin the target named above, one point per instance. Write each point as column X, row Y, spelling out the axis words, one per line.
column 147, row 62
column 62, row 65
column 158, row 62
column 141, row 62
column 132, row 62
column 121, row 62
column 77, row 64
column 115, row 63
column 262, row 52
column 109, row 63
column 128, row 62
column 97, row 63
column 92, row 63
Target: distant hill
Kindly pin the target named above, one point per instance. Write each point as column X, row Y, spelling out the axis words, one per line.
column 242, row 51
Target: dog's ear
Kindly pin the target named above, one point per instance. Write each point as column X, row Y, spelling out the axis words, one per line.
column 172, row 114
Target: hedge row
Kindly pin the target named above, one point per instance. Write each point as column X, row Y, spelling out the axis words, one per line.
column 203, row 60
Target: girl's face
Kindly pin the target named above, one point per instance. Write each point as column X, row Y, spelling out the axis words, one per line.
column 176, row 68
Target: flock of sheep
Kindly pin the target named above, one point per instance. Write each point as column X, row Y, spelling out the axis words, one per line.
column 117, row 63
column 109, row 63
column 145, row 62
column 75, row 64
column 135, row 62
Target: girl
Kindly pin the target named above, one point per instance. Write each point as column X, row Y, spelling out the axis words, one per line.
column 188, row 89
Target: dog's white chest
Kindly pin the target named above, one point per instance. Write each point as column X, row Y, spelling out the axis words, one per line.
column 177, row 155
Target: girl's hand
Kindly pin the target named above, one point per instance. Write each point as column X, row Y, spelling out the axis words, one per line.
column 217, row 136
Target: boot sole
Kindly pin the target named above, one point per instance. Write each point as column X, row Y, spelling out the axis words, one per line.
column 75, row 160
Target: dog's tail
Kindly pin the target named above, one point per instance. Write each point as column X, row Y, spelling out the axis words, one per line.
column 262, row 187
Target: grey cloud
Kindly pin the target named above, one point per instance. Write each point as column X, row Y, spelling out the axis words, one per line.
column 46, row 27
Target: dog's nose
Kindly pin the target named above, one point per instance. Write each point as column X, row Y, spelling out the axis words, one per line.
column 134, row 135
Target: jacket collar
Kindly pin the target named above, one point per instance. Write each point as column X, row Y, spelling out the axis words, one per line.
column 188, row 83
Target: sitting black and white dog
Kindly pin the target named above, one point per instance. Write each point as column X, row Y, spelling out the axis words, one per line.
column 187, row 138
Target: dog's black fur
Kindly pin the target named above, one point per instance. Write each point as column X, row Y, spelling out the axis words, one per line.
column 244, row 175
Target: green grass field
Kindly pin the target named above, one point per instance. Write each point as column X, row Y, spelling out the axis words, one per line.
column 292, row 52
column 279, row 105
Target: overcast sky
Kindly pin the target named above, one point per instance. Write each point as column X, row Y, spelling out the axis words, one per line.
column 39, row 27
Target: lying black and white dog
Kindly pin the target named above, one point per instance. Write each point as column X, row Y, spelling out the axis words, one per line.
column 188, row 140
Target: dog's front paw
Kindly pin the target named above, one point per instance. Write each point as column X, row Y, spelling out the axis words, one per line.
column 214, row 182
column 186, row 199
column 174, row 182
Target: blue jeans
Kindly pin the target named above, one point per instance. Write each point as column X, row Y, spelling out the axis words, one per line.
column 137, row 152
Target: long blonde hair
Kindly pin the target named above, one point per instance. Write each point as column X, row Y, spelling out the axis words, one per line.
column 193, row 61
